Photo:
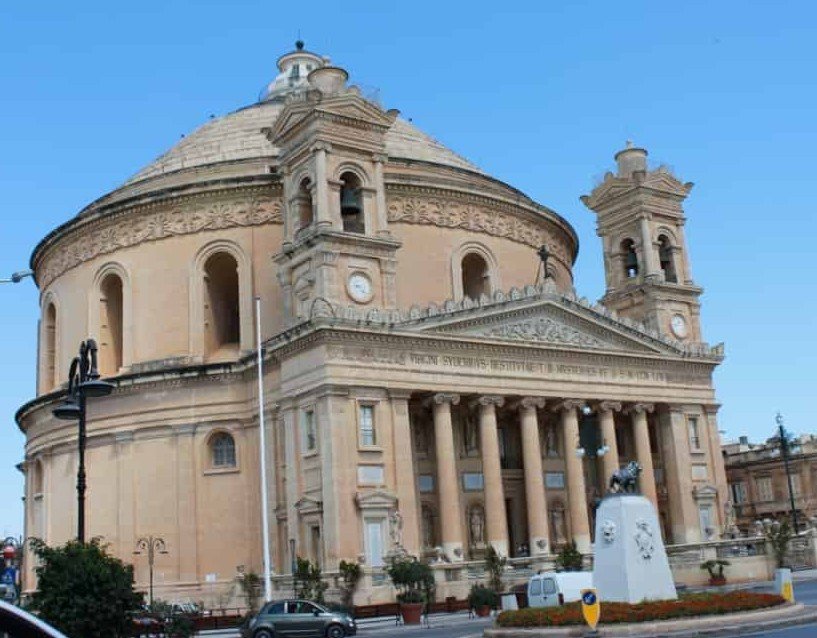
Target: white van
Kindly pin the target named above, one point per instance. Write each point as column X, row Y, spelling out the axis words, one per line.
column 550, row 589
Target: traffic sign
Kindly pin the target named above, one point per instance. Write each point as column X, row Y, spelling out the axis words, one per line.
column 591, row 608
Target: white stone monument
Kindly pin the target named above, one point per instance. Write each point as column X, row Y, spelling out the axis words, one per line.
column 630, row 563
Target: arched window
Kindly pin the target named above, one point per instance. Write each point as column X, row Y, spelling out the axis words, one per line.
column 221, row 315
column 222, row 450
column 304, row 204
column 49, row 346
column 666, row 260
column 630, row 258
column 476, row 277
column 110, row 325
column 37, row 477
column 351, row 204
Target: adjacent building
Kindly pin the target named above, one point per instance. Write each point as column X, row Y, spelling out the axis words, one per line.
column 759, row 486
column 433, row 379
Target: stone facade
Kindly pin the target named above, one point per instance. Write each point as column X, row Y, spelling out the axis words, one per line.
column 758, row 485
column 425, row 387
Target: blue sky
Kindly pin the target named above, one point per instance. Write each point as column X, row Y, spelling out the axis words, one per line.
column 539, row 94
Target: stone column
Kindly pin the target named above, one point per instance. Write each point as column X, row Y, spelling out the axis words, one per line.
column 686, row 526
column 188, row 524
column 716, row 460
column 647, row 249
column 496, row 521
column 447, row 480
column 323, row 211
column 579, row 523
column 380, row 195
column 643, row 453
column 405, row 483
column 538, row 537
column 609, row 462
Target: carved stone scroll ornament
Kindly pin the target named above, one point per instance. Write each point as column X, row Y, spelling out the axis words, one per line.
column 187, row 216
column 608, row 531
column 547, row 330
column 478, row 217
column 644, row 539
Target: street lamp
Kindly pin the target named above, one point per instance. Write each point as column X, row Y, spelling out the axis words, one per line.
column 83, row 382
column 17, row 277
column 785, row 442
column 151, row 545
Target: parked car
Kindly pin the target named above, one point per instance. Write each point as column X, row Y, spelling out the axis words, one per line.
column 551, row 589
column 298, row 619
column 16, row 623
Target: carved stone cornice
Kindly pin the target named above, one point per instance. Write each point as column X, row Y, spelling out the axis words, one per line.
column 154, row 221
column 609, row 406
column 640, row 408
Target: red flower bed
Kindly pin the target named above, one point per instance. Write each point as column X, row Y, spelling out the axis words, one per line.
column 692, row 605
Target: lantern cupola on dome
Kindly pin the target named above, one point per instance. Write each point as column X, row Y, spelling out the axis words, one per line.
column 294, row 67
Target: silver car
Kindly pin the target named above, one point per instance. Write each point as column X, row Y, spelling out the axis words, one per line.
column 298, row 619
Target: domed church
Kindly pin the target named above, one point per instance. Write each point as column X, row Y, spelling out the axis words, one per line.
column 433, row 383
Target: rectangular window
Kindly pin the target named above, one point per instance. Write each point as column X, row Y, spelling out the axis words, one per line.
column 370, row 474
column 426, row 483
column 309, row 438
column 366, row 425
column 374, row 543
column 555, row 480
column 707, row 526
column 738, row 493
column 472, row 481
column 694, row 439
column 765, row 493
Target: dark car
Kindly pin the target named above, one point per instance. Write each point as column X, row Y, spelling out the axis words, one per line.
column 298, row 619
column 16, row 623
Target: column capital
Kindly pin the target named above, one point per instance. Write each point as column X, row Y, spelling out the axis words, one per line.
column 399, row 395
column 712, row 410
column 639, row 408
column 445, row 397
column 489, row 399
column 530, row 402
column 380, row 158
column 610, row 406
column 567, row 404
column 321, row 145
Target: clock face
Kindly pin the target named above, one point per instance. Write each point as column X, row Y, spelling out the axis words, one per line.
column 360, row 287
column 679, row 326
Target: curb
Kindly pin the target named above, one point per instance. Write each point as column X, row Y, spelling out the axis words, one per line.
column 788, row 615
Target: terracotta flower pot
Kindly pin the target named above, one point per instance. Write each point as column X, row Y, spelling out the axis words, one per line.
column 717, row 580
column 411, row 613
column 483, row 610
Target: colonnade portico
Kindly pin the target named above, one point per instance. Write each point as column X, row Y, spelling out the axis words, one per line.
column 454, row 536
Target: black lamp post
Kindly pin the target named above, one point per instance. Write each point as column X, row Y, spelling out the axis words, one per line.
column 784, row 451
column 150, row 545
column 83, row 382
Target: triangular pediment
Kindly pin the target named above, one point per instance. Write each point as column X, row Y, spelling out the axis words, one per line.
column 546, row 321
column 658, row 180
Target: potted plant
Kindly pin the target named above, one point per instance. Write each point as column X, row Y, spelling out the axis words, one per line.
column 569, row 559
column 482, row 599
column 778, row 536
column 715, row 569
column 412, row 579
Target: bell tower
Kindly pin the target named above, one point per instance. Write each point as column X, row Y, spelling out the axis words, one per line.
column 337, row 247
column 641, row 224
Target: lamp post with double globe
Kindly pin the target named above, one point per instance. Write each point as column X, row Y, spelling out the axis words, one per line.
column 83, row 383
column 150, row 545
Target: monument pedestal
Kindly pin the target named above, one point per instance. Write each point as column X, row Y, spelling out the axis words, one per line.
column 630, row 562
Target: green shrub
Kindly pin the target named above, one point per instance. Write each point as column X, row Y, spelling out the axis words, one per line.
column 482, row 596
column 350, row 577
column 570, row 559
column 413, row 580
column 715, row 567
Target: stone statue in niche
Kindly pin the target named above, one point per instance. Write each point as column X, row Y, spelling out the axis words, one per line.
column 471, row 437
column 420, row 437
column 428, row 528
column 476, row 522
column 557, row 525
column 396, row 528
column 551, row 441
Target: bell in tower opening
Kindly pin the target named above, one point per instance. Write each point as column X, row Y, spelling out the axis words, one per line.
column 351, row 204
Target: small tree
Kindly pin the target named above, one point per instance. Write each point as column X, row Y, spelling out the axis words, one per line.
column 494, row 565
column 570, row 559
column 309, row 580
column 350, row 577
column 413, row 580
column 250, row 584
column 83, row 591
column 778, row 535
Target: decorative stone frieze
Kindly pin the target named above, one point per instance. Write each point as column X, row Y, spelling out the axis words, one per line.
column 151, row 222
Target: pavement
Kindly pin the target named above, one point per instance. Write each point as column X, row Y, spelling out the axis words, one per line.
column 460, row 625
